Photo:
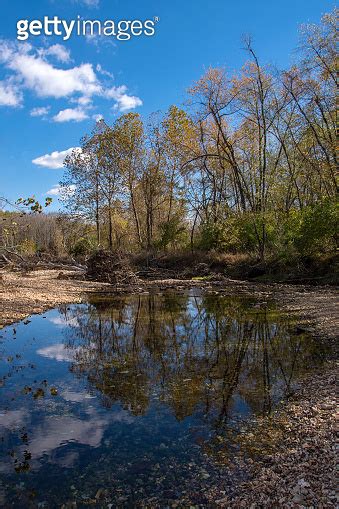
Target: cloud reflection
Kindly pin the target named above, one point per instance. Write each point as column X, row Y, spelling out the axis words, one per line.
column 58, row 352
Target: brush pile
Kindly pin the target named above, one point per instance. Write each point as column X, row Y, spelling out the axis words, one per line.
column 110, row 267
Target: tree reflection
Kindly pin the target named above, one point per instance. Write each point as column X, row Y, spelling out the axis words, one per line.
column 210, row 356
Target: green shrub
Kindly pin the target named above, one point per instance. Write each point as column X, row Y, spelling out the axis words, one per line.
column 28, row 247
column 82, row 247
column 239, row 233
column 299, row 233
column 172, row 232
column 312, row 230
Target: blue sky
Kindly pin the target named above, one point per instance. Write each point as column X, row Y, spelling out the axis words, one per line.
column 45, row 110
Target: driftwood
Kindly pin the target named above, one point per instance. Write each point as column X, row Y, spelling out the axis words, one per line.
column 14, row 253
column 14, row 261
column 6, row 260
column 65, row 266
column 157, row 273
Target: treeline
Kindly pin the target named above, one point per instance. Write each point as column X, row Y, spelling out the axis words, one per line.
column 40, row 234
column 249, row 166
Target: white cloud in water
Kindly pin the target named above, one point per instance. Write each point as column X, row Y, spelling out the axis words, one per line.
column 58, row 352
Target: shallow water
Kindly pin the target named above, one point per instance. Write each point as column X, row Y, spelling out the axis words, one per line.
column 139, row 400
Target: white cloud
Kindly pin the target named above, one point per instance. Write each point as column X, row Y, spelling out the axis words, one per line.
column 102, row 71
column 54, row 160
column 89, row 3
column 75, row 114
column 100, row 41
column 31, row 70
column 48, row 81
column 84, row 101
column 57, row 430
column 36, row 74
column 98, row 117
column 9, row 96
column 128, row 102
column 56, row 191
column 54, row 431
column 58, row 51
column 39, row 112
column 124, row 101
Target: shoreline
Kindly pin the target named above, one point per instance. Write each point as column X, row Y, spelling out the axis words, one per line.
column 24, row 294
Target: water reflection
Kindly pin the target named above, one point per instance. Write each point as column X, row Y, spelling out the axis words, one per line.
column 133, row 393
column 208, row 354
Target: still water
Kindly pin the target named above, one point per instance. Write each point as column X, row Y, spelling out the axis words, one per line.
column 137, row 401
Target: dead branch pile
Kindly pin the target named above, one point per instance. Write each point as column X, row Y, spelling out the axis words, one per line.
column 110, row 268
column 13, row 261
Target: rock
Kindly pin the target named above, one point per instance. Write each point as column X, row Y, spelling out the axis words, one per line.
column 303, row 484
column 298, row 499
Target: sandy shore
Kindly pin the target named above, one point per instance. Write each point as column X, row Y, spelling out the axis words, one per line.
column 25, row 294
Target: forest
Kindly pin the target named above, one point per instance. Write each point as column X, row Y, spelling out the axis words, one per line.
column 245, row 172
